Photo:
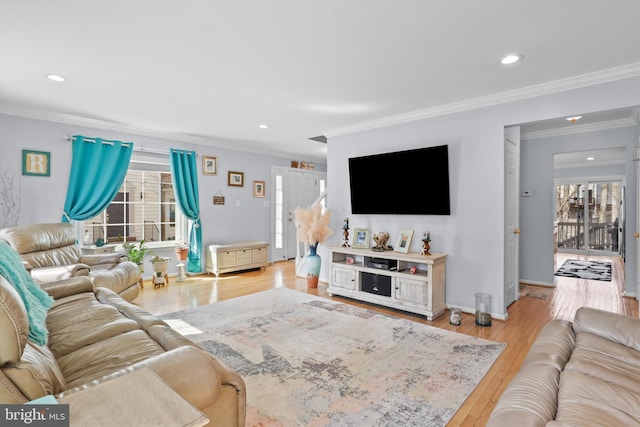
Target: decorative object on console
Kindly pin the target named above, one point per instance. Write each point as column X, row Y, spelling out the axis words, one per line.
column 313, row 228
column 404, row 241
column 235, row 179
column 425, row 243
column 345, row 233
column 209, row 165
column 381, row 238
column 361, row 238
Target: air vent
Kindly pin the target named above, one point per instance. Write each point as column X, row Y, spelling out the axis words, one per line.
column 320, row 138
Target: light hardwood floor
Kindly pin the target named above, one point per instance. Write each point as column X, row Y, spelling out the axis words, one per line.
column 536, row 306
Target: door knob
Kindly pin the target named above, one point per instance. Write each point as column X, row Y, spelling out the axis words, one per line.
column 516, row 231
column 636, row 235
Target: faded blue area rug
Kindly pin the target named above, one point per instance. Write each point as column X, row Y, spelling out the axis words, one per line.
column 590, row 270
column 312, row 361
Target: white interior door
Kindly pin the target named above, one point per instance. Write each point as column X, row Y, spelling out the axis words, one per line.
column 301, row 189
column 511, row 286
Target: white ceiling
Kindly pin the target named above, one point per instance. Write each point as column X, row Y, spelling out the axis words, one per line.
column 211, row 71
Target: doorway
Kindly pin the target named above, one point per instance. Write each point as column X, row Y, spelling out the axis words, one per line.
column 590, row 217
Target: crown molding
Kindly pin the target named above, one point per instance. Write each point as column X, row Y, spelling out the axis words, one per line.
column 575, row 129
column 576, row 82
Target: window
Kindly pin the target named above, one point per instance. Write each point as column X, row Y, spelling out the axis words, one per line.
column 144, row 209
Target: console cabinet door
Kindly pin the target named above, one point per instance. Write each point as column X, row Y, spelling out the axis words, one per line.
column 410, row 290
column 343, row 278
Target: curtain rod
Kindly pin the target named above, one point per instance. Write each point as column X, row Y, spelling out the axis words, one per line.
column 140, row 149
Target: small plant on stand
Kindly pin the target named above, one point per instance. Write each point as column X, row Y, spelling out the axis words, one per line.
column 160, row 266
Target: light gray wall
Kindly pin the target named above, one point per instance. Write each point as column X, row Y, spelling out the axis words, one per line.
column 43, row 197
column 473, row 235
column 537, row 212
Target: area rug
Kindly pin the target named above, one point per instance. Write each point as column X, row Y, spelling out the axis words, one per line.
column 591, row 270
column 314, row 362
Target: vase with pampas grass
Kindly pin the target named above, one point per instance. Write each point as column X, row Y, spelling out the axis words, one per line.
column 313, row 228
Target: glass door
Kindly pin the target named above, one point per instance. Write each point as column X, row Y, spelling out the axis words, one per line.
column 589, row 217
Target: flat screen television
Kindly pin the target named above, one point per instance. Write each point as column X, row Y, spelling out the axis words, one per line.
column 410, row 182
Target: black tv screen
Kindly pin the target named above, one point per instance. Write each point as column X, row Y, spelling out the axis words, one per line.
column 411, row 182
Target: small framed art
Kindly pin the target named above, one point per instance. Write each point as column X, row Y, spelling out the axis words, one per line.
column 235, row 179
column 209, row 165
column 361, row 238
column 404, row 241
column 258, row 188
column 36, row 163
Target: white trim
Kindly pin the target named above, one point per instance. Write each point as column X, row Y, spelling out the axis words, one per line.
column 589, row 79
column 611, row 124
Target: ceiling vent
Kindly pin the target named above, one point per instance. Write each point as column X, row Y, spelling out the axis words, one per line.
column 320, row 138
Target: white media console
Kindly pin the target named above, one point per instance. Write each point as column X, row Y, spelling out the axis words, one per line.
column 386, row 278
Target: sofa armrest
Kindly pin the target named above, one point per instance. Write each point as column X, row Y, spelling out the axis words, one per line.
column 67, row 287
column 52, row 274
column 99, row 259
column 614, row 327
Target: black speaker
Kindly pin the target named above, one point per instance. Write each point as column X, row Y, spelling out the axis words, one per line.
column 376, row 284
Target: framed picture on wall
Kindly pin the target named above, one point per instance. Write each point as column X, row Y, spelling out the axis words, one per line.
column 258, row 188
column 36, row 163
column 209, row 165
column 361, row 238
column 235, row 179
column 404, row 241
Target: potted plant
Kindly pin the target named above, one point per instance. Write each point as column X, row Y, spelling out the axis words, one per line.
column 137, row 254
column 160, row 266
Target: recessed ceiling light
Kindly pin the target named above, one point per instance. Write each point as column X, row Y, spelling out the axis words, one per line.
column 591, row 158
column 263, row 126
column 510, row 59
column 56, row 78
column 573, row 119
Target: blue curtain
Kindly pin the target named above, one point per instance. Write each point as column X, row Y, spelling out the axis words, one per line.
column 184, row 173
column 98, row 168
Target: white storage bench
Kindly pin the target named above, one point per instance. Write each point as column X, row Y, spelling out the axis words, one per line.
column 237, row 256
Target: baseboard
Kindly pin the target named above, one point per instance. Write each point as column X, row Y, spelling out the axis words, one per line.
column 536, row 283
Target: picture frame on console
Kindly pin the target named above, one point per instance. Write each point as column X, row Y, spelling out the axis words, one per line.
column 361, row 238
column 404, row 241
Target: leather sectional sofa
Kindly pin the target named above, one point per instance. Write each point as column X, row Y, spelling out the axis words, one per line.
column 95, row 336
column 580, row 373
column 51, row 254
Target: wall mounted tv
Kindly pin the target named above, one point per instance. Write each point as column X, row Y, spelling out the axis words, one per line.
column 411, row 182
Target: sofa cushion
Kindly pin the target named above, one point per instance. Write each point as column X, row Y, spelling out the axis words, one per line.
column 585, row 400
column 616, row 328
column 14, row 324
column 107, row 356
column 80, row 320
column 37, row 373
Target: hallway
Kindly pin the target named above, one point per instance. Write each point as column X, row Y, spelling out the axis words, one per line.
column 569, row 293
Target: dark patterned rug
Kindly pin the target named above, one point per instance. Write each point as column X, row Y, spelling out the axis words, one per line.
column 590, row 270
column 312, row 361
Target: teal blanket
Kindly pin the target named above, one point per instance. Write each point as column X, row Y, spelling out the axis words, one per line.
column 36, row 301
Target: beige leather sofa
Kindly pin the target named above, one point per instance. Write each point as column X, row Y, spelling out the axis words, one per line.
column 95, row 336
column 585, row 373
column 51, row 254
